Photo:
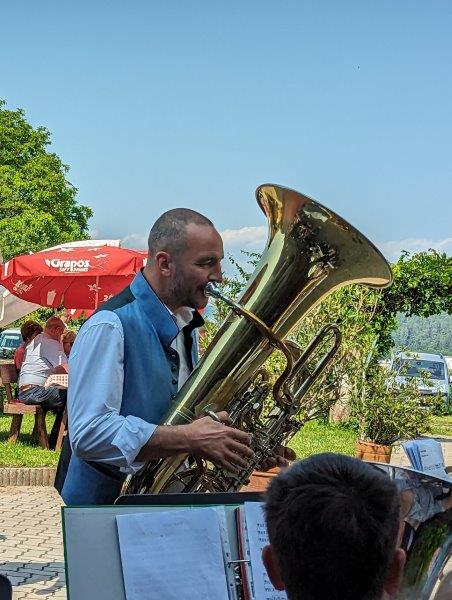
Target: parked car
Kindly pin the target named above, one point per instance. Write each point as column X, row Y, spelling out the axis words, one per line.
column 10, row 339
column 430, row 369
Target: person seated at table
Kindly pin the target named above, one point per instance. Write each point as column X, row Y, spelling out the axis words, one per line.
column 68, row 339
column 44, row 357
column 28, row 331
column 332, row 523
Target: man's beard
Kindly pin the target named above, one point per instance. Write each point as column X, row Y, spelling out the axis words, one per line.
column 180, row 294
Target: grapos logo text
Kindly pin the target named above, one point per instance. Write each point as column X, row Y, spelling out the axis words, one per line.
column 68, row 266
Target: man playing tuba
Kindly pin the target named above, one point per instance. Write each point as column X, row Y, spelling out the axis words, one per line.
column 131, row 358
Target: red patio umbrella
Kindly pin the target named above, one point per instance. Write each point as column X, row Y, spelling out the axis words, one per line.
column 73, row 277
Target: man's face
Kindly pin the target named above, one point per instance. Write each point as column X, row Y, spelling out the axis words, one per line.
column 197, row 264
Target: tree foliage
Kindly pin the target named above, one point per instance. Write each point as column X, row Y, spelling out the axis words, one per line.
column 38, row 206
column 424, row 334
column 422, row 285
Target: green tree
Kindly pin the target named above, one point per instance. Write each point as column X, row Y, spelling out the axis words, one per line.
column 424, row 334
column 422, row 285
column 38, row 206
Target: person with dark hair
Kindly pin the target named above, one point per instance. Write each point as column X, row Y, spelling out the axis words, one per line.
column 333, row 524
column 130, row 359
column 28, row 331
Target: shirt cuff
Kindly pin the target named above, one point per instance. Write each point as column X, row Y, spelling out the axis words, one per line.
column 131, row 437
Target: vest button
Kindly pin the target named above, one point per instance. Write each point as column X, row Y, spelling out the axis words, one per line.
column 173, row 396
column 173, row 368
column 174, row 381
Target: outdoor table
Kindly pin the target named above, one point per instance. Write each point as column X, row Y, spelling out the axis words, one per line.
column 60, row 380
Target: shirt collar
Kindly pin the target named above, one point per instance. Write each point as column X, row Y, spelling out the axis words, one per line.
column 183, row 315
column 158, row 313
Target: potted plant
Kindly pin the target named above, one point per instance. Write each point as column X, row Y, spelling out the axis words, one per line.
column 387, row 411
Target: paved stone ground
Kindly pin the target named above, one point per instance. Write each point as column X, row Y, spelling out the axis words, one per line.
column 31, row 547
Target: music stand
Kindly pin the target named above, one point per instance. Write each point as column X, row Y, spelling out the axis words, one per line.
column 92, row 556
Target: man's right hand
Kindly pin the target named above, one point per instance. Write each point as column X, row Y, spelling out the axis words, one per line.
column 216, row 441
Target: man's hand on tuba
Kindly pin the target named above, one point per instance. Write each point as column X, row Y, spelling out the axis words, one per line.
column 216, row 441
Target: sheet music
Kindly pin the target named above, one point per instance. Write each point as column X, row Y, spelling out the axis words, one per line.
column 426, row 455
column 414, row 456
column 432, row 458
column 173, row 555
column 258, row 538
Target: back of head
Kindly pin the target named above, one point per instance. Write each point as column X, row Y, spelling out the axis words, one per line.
column 29, row 329
column 169, row 231
column 68, row 336
column 54, row 326
column 332, row 522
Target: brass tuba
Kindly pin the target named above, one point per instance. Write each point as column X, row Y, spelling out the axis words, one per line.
column 310, row 252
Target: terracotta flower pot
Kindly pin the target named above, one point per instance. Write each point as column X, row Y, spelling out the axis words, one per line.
column 260, row 480
column 373, row 452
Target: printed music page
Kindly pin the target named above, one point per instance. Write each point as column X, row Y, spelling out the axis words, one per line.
column 432, row 458
column 172, row 555
column 258, row 538
column 426, row 455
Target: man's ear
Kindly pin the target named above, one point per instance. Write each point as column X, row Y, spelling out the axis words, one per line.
column 395, row 572
column 164, row 263
column 268, row 558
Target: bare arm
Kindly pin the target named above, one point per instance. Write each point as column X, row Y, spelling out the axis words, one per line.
column 204, row 438
column 60, row 370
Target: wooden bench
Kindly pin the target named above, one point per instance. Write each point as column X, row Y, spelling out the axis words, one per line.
column 17, row 410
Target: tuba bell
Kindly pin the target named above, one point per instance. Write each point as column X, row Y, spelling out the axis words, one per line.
column 310, row 253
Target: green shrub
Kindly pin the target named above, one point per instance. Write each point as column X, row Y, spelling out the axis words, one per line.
column 389, row 410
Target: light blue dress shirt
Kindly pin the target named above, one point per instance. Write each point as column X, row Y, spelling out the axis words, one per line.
column 98, row 431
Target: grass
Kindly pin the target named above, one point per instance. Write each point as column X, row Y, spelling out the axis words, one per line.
column 317, row 436
column 25, row 453
column 442, row 426
column 313, row 438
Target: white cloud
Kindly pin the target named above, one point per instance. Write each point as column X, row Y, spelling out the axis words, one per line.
column 245, row 237
column 135, row 240
column 393, row 249
column 254, row 238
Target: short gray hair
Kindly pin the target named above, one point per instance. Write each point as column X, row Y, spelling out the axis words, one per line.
column 54, row 322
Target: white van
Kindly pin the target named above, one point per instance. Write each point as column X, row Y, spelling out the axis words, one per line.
column 415, row 364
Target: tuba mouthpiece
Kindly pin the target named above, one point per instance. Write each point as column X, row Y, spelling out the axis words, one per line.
column 211, row 290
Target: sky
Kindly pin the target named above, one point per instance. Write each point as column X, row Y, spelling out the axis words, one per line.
column 158, row 104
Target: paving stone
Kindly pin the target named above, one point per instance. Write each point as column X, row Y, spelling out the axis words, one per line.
column 31, row 545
